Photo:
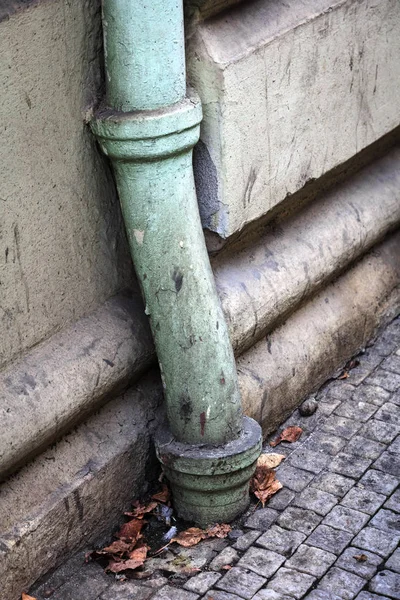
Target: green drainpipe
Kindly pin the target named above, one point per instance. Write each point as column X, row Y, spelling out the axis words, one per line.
column 148, row 126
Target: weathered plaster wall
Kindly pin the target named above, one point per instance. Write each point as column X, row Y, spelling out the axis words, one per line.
column 290, row 91
column 62, row 244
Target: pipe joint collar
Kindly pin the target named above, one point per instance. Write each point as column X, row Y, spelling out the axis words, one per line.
column 149, row 134
column 210, row 483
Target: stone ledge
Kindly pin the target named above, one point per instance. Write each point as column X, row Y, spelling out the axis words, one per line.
column 60, row 382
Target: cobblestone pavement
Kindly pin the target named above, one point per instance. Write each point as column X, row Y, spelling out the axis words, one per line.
column 331, row 533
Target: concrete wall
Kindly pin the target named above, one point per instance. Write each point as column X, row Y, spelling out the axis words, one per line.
column 290, row 90
column 62, row 243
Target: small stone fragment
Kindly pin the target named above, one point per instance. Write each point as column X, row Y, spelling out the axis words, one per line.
column 308, row 407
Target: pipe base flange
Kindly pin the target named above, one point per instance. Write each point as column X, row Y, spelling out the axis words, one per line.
column 210, row 484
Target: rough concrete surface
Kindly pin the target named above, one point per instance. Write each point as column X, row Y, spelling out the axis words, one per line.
column 76, row 491
column 335, row 539
column 264, row 281
column 60, row 381
column 63, row 250
column 289, row 90
column 301, row 354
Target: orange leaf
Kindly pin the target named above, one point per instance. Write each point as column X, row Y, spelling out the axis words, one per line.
column 139, row 553
column 131, row 531
column 190, row 537
column 219, row 531
column 140, row 509
column 290, row 434
column 270, row 460
column 117, row 547
column 118, row 566
column 26, row 597
column 264, row 484
column 360, row 557
column 162, row 496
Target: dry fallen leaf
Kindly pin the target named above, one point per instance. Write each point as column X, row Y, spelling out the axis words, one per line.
column 290, row 434
column 117, row 547
column 162, row 496
column 190, row 537
column 344, row 375
column 360, row 557
column 26, row 597
column 219, row 531
column 131, row 531
column 141, row 509
column 264, row 484
column 117, row 566
column 270, row 460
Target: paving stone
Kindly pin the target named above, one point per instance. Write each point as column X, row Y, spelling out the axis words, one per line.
column 333, row 483
column 346, row 519
column 394, row 447
column 155, row 582
column 364, row 448
column 313, row 561
column 263, row 562
column 389, row 381
column 356, row 409
column 392, row 363
column 376, row 541
column 386, row 583
column 88, row 582
column 388, row 463
column 325, row 442
column 394, row 502
column 262, row 519
column 395, row 398
column 202, row 582
column 294, row 479
column 380, row 431
column 167, row 593
column 341, row 426
column 379, row 482
column 372, row 394
column 317, row 500
column 228, row 556
column 327, row 406
column 384, row 347
column 339, row 389
column 369, row 596
column 293, row 583
column 308, row 424
column 242, row 582
column 339, row 581
column 366, row 569
column 299, row 519
column 246, row 540
column 308, row 460
column 393, row 563
column 218, row 595
column 349, row 465
column 321, row 595
column 126, row 590
column 329, row 539
column 281, row 540
column 265, row 594
column 281, row 499
column 364, row 500
column 389, row 413
column 387, row 521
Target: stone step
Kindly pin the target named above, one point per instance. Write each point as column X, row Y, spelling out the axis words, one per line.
column 59, row 383
column 74, row 493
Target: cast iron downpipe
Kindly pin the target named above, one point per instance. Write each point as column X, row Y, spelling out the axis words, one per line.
column 148, row 126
